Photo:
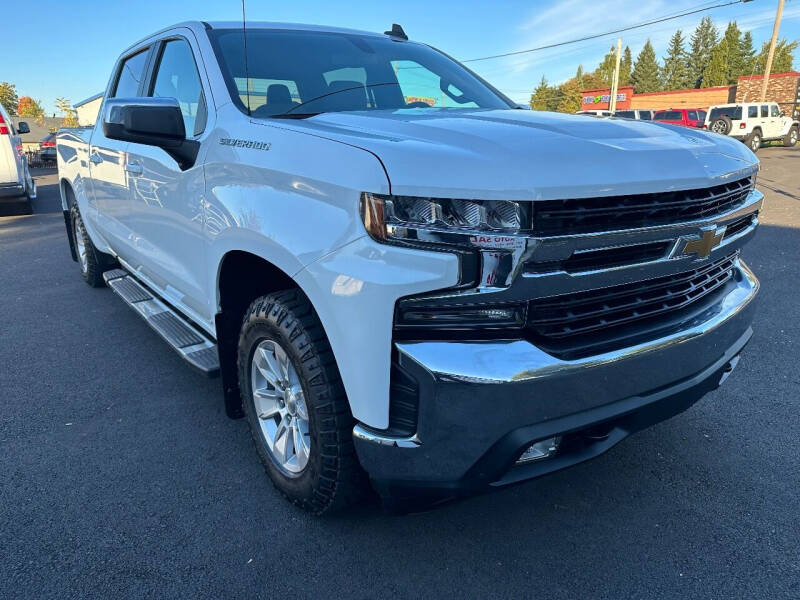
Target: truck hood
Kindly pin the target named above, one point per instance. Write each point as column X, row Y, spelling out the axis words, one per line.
column 529, row 155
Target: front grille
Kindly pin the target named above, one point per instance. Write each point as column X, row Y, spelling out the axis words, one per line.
column 584, row 323
column 584, row 215
column 738, row 226
column 604, row 258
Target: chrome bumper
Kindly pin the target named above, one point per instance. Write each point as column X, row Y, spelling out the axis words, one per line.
column 474, row 394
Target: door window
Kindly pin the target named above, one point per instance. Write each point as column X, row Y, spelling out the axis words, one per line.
column 764, row 110
column 130, row 76
column 177, row 77
column 692, row 115
column 774, row 111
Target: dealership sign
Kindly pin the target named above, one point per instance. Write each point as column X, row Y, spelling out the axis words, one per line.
column 621, row 97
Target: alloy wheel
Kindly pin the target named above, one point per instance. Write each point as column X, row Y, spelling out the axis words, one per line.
column 80, row 245
column 280, row 406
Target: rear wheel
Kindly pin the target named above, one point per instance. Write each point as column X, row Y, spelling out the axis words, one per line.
column 91, row 261
column 753, row 140
column 295, row 404
column 790, row 139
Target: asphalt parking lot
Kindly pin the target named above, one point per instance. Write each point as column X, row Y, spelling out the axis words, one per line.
column 121, row 477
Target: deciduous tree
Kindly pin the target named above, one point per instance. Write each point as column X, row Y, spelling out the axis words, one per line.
column 8, row 97
column 28, row 107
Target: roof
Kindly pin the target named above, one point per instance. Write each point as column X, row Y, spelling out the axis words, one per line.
column 771, row 76
column 40, row 127
column 87, row 100
column 203, row 25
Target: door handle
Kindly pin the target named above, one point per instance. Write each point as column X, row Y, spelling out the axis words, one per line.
column 134, row 169
column 95, row 158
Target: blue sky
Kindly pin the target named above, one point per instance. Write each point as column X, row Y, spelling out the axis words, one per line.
column 67, row 49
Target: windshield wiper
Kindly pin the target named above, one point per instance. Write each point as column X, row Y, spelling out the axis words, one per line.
column 290, row 115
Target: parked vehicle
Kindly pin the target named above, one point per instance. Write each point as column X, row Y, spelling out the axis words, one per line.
column 638, row 114
column 753, row 123
column 594, row 113
column 47, row 152
column 387, row 288
column 686, row 117
column 17, row 188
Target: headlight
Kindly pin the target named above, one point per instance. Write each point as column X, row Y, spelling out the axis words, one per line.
column 442, row 220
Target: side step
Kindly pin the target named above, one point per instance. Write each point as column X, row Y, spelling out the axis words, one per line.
column 192, row 344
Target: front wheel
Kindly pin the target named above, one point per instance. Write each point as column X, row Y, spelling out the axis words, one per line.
column 295, row 404
column 91, row 261
column 790, row 139
column 753, row 141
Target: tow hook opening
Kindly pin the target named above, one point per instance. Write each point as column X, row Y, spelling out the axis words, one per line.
column 728, row 370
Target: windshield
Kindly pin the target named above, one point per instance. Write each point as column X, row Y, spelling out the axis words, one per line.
column 299, row 73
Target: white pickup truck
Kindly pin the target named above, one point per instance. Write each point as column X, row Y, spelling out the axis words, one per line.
column 17, row 187
column 401, row 277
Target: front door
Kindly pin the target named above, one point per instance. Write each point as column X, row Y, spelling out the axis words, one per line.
column 166, row 202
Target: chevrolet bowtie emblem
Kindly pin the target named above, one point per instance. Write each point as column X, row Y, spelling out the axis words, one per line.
column 702, row 246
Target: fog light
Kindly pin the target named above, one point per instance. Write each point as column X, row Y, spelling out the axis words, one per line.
column 539, row 450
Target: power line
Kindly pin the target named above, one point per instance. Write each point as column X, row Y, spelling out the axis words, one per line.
column 615, row 31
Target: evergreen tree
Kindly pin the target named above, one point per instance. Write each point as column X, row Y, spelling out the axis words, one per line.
column 645, row 75
column 782, row 60
column 748, row 54
column 540, row 95
column 735, row 57
column 675, row 73
column 703, row 41
column 625, row 67
column 718, row 68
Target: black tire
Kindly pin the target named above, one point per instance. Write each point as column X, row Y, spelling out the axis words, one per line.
column 790, row 139
column 93, row 263
column 721, row 125
column 753, row 141
column 332, row 478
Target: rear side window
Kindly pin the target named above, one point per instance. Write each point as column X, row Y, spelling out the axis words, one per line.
column 625, row 114
column 764, row 110
column 645, row 115
column 177, row 78
column 668, row 115
column 130, row 76
column 734, row 113
column 752, row 112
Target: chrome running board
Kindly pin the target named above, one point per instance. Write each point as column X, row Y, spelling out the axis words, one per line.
column 188, row 341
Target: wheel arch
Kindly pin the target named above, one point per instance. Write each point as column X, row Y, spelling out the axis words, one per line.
column 242, row 276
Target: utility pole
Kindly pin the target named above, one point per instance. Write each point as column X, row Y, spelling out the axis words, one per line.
column 612, row 101
column 768, row 66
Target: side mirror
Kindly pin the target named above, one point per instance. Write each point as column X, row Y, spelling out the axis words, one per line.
column 22, row 127
column 783, row 113
column 153, row 122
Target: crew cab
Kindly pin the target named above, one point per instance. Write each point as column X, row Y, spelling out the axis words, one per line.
column 685, row 117
column 753, row 123
column 17, row 188
column 401, row 278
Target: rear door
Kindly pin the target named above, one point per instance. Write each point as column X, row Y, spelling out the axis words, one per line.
column 108, row 162
column 167, row 202
column 775, row 122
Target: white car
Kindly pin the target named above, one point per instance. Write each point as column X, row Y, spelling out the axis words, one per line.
column 17, row 187
column 401, row 277
column 753, row 123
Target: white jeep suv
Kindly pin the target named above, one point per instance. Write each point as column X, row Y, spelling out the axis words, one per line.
column 753, row 123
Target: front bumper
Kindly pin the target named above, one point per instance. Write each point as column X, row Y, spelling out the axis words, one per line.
column 482, row 403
